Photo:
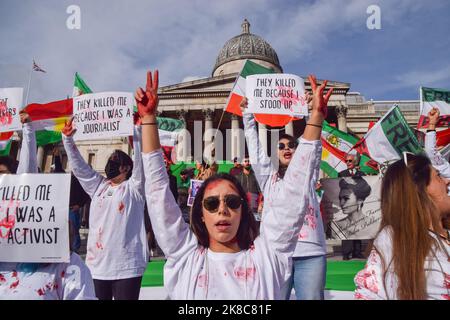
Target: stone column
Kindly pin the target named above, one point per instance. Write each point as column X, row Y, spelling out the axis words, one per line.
column 208, row 133
column 341, row 113
column 40, row 156
column 289, row 128
column 262, row 132
column 236, row 138
column 183, row 146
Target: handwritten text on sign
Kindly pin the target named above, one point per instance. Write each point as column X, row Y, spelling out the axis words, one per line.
column 276, row 94
column 103, row 115
column 10, row 105
column 34, row 217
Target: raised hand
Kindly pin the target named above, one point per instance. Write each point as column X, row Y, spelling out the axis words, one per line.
column 319, row 101
column 433, row 115
column 68, row 129
column 24, row 117
column 147, row 101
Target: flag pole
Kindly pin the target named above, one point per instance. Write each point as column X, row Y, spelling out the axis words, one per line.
column 28, row 88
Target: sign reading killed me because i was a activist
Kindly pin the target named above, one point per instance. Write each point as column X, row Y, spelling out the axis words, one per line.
column 276, row 94
column 10, row 105
column 34, row 220
column 103, row 115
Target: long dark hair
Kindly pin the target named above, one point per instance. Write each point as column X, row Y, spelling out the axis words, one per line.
column 409, row 212
column 247, row 231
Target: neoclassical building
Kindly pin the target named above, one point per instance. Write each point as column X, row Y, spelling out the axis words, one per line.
column 200, row 104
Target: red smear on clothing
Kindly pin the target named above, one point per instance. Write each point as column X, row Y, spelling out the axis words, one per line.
column 14, row 284
column 14, row 274
column 2, row 278
column 40, row 292
column 201, row 280
column 63, row 273
column 121, row 207
column 243, row 274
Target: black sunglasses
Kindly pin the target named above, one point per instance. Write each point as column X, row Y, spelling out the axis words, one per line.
column 232, row 201
column 291, row 145
column 349, row 160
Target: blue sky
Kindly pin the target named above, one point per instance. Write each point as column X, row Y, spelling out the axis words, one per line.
column 119, row 40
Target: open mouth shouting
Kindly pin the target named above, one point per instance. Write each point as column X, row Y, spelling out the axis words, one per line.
column 223, row 225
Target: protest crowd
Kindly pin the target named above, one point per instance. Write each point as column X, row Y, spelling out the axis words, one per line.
column 256, row 232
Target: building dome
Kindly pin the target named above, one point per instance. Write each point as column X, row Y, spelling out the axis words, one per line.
column 246, row 46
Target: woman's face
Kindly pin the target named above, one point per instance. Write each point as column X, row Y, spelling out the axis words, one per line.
column 285, row 154
column 348, row 201
column 223, row 224
column 438, row 192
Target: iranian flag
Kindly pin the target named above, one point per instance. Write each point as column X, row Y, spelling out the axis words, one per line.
column 437, row 98
column 336, row 145
column 80, row 87
column 238, row 92
column 389, row 138
column 5, row 143
column 168, row 130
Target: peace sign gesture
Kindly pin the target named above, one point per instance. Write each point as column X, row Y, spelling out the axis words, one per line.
column 147, row 101
column 319, row 101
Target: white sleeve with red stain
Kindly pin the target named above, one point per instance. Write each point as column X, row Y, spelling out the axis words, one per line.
column 137, row 177
column 76, row 280
column 284, row 217
column 28, row 157
column 171, row 231
column 88, row 177
column 437, row 160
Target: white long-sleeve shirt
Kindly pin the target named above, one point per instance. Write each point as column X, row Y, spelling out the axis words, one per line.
column 117, row 243
column 437, row 160
column 193, row 272
column 51, row 281
column 370, row 284
column 28, row 157
column 311, row 238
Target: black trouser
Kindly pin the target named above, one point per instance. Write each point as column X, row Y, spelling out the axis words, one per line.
column 351, row 247
column 123, row 289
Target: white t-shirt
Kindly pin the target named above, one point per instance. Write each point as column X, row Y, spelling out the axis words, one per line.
column 370, row 284
column 117, row 244
column 192, row 272
column 311, row 238
column 52, row 281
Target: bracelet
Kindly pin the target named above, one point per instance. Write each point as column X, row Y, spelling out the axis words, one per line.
column 149, row 124
column 314, row 125
column 431, row 130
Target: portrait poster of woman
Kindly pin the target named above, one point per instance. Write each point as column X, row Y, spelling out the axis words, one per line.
column 351, row 206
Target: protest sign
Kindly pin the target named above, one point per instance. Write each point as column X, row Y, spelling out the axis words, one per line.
column 34, row 214
column 103, row 115
column 195, row 185
column 276, row 94
column 10, row 105
column 351, row 206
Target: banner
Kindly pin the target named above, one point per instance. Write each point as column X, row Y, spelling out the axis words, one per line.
column 351, row 206
column 34, row 218
column 103, row 115
column 434, row 98
column 10, row 105
column 276, row 94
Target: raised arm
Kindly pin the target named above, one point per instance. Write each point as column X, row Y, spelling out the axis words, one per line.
column 285, row 217
column 28, row 157
column 438, row 161
column 171, row 232
column 261, row 164
column 137, row 178
column 88, row 177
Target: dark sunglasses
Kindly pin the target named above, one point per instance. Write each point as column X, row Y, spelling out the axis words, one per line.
column 232, row 201
column 348, row 161
column 291, row 145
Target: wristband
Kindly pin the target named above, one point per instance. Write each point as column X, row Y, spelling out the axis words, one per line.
column 149, row 124
column 314, row 125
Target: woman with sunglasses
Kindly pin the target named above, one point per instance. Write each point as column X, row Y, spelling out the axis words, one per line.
column 309, row 258
column 117, row 253
column 410, row 257
column 221, row 256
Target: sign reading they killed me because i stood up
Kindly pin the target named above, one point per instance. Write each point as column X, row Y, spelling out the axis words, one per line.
column 103, row 115
column 276, row 94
